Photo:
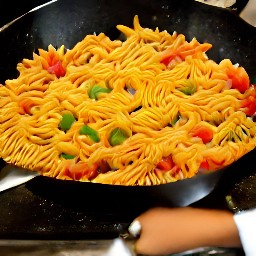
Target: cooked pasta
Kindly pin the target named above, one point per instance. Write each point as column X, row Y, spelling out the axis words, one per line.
column 148, row 110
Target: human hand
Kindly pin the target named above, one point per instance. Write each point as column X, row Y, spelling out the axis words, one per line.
column 173, row 230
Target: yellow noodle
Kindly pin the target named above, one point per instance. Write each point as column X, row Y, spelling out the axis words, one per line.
column 156, row 89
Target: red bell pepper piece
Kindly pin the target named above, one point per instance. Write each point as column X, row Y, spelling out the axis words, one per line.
column 205, row 165
column 53, row 62
column 165, row 164
column 210, row 164
column 25, row 106
column 57, row 69
column 79, row 170
column 183, row 51
column 203, row 132
column 250, row 105
column 239, row 77
column 103, row 166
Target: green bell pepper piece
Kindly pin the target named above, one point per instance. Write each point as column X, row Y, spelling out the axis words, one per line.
column 188, row 90
column 66, row 121
column 67, row 156
column 117, row 137
column 96, row 90
column 86, row 130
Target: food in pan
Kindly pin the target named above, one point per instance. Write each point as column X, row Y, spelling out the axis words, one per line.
column 148, row 110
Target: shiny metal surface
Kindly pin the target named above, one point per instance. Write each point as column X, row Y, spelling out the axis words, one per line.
column 115, row 247
column 32, row 10
column 61, row 248
column 12, row 176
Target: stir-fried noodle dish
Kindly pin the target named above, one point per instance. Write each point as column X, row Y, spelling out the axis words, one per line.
column 148, row 110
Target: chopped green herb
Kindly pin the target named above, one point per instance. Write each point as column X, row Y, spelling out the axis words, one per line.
column 66, row 122
column 175, row 119
column 96, row 90
column 117, row 137
column 188, row 90
column 86, row 130
column 67, row 156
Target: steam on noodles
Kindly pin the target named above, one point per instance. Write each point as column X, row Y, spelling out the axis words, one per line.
column 149, row 110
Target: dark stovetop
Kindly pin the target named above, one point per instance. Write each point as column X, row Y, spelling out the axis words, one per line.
column 41, row 210
column 25, row 215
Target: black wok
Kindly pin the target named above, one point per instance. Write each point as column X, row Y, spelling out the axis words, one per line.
column 68, row 21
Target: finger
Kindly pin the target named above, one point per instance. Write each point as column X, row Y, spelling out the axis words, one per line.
column 135, row 228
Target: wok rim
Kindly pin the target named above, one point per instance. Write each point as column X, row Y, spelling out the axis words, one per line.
column 208, row 174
